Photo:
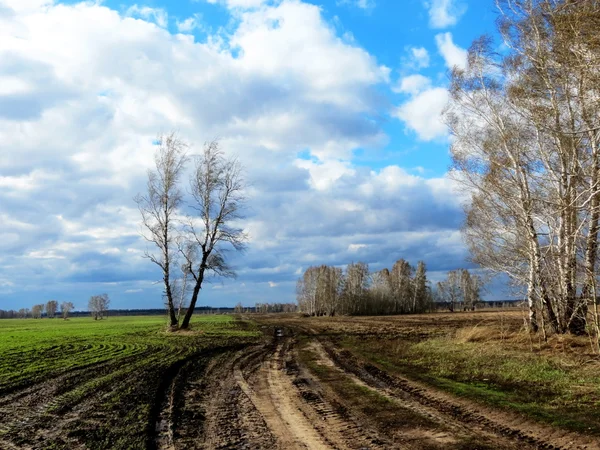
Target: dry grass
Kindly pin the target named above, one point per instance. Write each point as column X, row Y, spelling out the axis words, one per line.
column 478, row 334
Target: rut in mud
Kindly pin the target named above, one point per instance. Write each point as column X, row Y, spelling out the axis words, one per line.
column 256, row 398
column 265, row 397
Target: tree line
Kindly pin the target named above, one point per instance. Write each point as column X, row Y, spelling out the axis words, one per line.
column 51, row 308
column 97, row 306
column 526, row 148
column 327, row 290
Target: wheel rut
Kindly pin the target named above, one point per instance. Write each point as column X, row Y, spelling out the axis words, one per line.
column 460, row 416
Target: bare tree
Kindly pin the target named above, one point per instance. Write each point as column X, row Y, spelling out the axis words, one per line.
column 471, row 286
column 329, row 283
column 51, row 308
column 217, row 187
column 420, row 299
column 381, row 293
column 37, row 311
column 449, row 290
column 402, row 286
column 66, row 308
column 355, row 288
column 159, row 206
column 98, row 305
column 306, row 291
column 527, row 147
column 181, row 286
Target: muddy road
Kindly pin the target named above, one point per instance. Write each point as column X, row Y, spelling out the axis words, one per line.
column 299, row 391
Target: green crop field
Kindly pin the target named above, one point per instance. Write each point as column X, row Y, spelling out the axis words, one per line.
column 97, row 382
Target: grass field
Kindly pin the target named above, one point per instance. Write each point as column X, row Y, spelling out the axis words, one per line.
column 96, row 380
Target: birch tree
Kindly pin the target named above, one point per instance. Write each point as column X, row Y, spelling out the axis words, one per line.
column 66, row 308
column 355, row 288
column 37, row 311
column 217, row 187
column 449, row 290
column 402, row 288
column 419, row 303
column 159, row 207
column 51, row 308
column 526, row 148
column 98, row 306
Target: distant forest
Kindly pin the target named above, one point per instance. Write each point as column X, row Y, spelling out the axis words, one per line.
column 327, row 290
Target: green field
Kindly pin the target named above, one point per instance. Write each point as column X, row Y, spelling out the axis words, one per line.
column 97, row 382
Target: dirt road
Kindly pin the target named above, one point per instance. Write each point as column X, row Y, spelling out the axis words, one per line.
column 300, row 392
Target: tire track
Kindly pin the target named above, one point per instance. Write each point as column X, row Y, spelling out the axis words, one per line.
column 272, row 395
column 294, row 409
column 455, row 412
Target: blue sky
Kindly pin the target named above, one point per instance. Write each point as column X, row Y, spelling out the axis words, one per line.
column 332, row 106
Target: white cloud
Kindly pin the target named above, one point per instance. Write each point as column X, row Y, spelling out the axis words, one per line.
column 445, row 13
column 324, row 174
column 419, row 57
column 272, row 284
column 412, row 84
column 245, row 3
column 453, row 55
column 189, row 24
column 266, row 38
column 422, row 113
column 156, row 15
column 21, row 6
column 356, row 247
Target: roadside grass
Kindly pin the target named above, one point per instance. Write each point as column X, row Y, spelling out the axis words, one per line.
column 104, row 375
column 498, row 364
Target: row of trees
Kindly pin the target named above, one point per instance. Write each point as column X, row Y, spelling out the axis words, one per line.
column 264, row 308
column 97, row 305
column 526, row 126
column 327, row 290
column 193, row 245
column 51, row 308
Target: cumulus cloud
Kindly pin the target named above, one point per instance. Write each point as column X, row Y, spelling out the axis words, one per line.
column 454, row 56
column 88, row 89
column 421, row 113
column 84, row 90
column 376, row 216
column 445, row 13
column 412, row 84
